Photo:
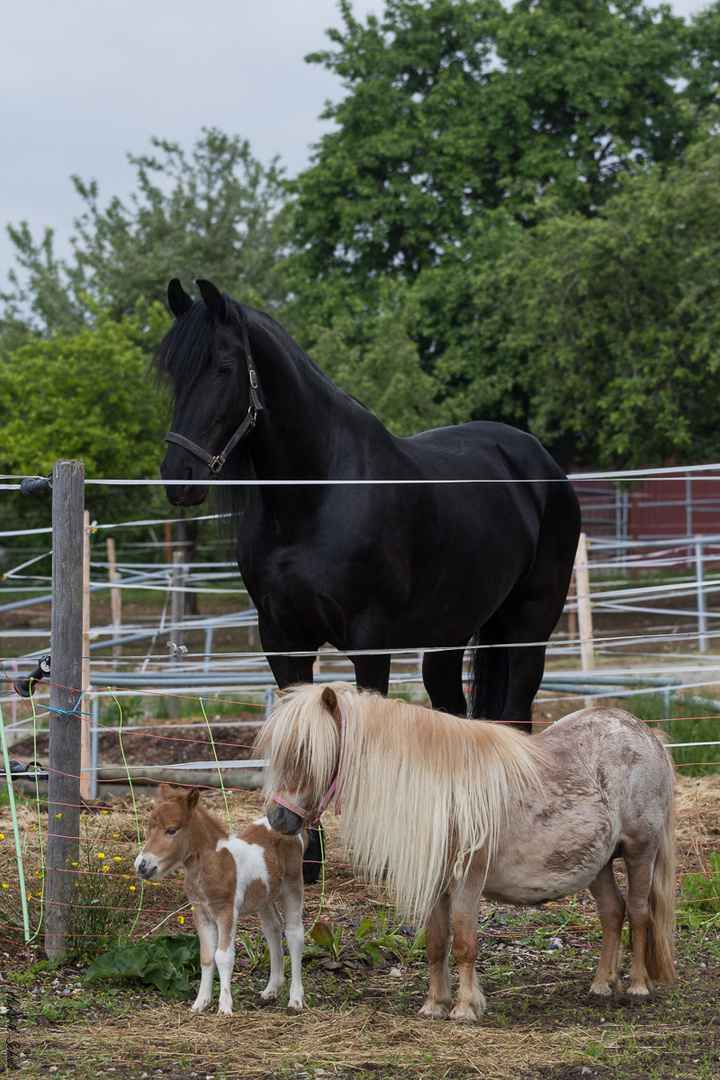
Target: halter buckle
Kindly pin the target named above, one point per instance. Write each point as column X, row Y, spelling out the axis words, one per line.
column 216, row 464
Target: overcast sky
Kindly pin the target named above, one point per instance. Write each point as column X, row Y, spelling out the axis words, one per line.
column 82, row 82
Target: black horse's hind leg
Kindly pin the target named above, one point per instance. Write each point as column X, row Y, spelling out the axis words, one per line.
column 442, row 676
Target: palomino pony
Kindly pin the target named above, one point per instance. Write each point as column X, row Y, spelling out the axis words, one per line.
column 450, row 810
column 227, row 876
column 460, row 533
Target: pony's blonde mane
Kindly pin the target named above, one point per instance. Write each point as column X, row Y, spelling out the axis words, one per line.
column 421, row 791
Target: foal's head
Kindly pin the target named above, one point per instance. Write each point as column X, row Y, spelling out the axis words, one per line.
column 172, row 834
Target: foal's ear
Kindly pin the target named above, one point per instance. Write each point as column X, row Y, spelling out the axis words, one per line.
column 329, row 699
column 165, row 791
column 178, row 300
column 214, row 300
column 192, row 798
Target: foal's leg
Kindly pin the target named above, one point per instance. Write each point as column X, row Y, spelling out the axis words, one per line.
column 294, row 932
column 272, row 929
column 437, row 947
column 225, row 957
column 208, row 933
column 465, row 909
column 611, row 909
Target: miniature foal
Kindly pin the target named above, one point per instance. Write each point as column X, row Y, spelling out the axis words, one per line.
column 227, row 876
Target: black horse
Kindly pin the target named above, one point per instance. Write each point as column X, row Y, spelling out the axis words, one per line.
column 368, row 567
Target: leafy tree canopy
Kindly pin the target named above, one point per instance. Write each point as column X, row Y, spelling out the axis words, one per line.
column 457, row 107
column 601, row 335
column 215, row 213
column 86, row 395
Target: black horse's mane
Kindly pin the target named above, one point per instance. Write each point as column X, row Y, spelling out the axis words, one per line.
column 186, row 350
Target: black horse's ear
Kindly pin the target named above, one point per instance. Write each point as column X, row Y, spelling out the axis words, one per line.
column 178, row 300
column 214, row 299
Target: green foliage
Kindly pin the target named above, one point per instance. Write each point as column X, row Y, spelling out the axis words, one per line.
column 374, row 941
column 168, row 962
column 457, row 108
column 700, row 902
column 86, row 395
column 107, row 895
column 215, row 213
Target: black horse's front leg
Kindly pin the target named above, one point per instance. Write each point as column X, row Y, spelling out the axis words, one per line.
column 372, row 672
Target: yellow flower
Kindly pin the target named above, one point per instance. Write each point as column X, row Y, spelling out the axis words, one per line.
column 132, row 888
column 181, row 918
column 58, row 815
column 73, row 864
column 2, row 835
column 116, row 836
column 101, row 854
column 5, row 886
column 117, row 858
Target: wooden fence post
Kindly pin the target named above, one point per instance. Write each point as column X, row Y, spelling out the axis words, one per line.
column 582, row 589
column 66, row 636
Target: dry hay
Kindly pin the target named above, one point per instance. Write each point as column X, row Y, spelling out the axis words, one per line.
column 251, row 1043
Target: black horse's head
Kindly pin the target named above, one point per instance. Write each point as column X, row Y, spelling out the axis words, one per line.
column 206, row 355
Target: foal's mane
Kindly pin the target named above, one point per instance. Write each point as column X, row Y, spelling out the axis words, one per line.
column 421, row 791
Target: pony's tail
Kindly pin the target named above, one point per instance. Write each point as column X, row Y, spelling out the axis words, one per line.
column 660, row 945
column 488, row 687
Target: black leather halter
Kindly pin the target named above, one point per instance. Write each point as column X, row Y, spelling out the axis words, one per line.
column 215, row 462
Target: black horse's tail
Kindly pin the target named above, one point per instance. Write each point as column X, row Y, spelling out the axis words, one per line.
column 488, row 687
column 313, row 857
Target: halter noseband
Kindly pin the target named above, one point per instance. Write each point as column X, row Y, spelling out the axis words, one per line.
column 215, row 462
column 312, row 817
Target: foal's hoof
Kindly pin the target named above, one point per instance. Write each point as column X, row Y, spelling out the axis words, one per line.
column 640, row 990
column 295, row 1007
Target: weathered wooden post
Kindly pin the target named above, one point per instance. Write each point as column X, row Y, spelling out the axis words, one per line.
column 66, row 636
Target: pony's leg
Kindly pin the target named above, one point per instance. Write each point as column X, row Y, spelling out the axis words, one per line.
column 437, row 947
column 225, row 958
column 292, row 898
column 271, row 921
column 208, row 933
column 470, row 1000
column 611, row 909
column 639, row 864
column 442, row 677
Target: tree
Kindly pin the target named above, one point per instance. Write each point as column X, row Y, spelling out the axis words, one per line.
column 86, row 395
column 600, row 335
column 457, row 107
column 217, row 213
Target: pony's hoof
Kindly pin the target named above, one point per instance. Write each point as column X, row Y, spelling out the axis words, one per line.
column 468, row 1014
column 640, row 990
column 433, row 1011
column 604, row 989
column 199, row 1006
column 268, row 996
column 295, row 1006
